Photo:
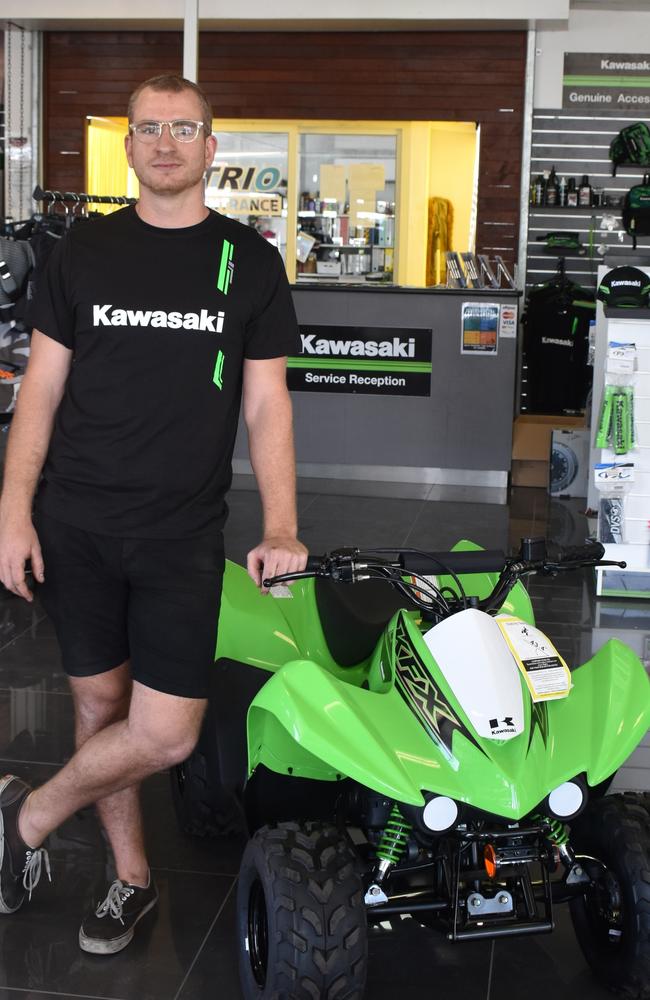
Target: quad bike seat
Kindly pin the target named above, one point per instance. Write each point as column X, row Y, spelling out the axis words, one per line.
column 353, row 616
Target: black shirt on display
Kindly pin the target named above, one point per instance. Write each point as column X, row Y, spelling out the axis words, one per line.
column 556, row 346
column 159, row 322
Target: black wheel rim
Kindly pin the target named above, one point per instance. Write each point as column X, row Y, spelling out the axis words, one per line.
column 258, row 941
column 605, row 912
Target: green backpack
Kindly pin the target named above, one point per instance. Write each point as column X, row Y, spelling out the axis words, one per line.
column 636, row 210
column 631, row 145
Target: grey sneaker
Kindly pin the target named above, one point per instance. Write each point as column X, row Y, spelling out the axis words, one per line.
column 111, row 926
column 20, row 866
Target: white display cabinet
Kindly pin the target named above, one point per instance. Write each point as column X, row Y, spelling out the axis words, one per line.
column 631, row 326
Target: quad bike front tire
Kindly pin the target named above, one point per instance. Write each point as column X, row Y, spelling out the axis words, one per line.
column 302, row 931
column 612, row 918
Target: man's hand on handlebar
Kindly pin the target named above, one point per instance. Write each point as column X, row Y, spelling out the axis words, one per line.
column 275, row 556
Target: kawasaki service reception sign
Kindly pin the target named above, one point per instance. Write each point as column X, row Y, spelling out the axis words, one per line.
column 381, row 360
column 612, row 82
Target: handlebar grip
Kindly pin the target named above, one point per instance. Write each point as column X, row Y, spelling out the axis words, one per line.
column 313, row 563
column 590, row 552
column 475, row 561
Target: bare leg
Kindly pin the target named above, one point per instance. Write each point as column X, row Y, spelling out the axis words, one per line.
column 99, row 702
column 161, row 730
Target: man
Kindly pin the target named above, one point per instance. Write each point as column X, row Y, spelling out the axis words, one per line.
column 149, row 327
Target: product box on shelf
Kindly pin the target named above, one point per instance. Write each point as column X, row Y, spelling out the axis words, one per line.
column 531, row 446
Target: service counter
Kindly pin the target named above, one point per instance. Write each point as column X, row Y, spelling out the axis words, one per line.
column 403, row 385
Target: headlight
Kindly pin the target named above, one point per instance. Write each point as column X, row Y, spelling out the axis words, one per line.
column 566, row 800
column 440, row 814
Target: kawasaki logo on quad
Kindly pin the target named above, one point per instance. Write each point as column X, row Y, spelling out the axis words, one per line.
column 427, row 702
column 203, row 321
column 499, row 726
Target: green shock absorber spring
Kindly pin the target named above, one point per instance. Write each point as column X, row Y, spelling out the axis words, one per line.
column 394, row 838
column 558, row 832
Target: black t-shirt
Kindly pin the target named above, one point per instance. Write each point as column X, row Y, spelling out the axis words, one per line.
column 160, row 321
column 556, row 344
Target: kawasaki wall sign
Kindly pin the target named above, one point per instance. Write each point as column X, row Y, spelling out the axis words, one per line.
column 383, row 361
column 617, row 82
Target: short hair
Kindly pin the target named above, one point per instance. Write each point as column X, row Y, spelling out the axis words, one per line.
column 172, row 84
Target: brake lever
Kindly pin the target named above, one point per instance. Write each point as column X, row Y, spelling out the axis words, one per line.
column 555, row 568
column 289, row 577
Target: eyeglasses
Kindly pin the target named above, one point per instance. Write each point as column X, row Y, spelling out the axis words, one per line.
column 182, row 129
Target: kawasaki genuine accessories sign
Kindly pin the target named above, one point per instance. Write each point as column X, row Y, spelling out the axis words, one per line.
column 377, row 360
column 617, row 82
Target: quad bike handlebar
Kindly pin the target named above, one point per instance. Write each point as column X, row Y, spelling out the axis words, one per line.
column 403, row 570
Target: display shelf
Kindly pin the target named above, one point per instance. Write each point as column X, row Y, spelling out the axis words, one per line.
column 627, row 325
column 543, row 209
column 639, row 167
column 613, row 313
column 353, row 246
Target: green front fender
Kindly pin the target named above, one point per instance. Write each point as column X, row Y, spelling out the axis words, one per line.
column 308, row 723
column 608, row 710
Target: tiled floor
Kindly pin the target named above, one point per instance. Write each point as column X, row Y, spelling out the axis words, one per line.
column 187, row 951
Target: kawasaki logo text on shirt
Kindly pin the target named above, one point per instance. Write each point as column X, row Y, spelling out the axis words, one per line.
column 203, row 321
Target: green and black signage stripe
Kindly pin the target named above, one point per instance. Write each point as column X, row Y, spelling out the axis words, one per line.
column 225, row 267
column 352, row 359
column 604, row 80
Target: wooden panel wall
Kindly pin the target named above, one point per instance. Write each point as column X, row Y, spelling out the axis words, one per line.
column 450, row 76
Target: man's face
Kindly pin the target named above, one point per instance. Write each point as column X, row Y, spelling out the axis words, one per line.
column 167, row 166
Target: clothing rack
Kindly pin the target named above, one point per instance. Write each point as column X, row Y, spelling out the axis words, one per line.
column 80, row 198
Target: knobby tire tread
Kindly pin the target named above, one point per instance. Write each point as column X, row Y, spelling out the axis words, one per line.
column 319, row 915
column 201, row 810
column 616, row 830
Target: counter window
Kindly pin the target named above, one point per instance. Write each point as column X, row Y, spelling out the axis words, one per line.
column 248, row 182
column 346, row 208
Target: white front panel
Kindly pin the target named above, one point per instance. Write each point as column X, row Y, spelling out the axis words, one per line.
column 471, row 652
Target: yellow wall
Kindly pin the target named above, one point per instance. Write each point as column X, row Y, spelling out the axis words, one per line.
column 438, row 161
column 107, row 171
column 452, row 158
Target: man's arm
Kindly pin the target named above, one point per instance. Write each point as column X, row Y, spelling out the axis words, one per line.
column 31, row 429
column 267, row 412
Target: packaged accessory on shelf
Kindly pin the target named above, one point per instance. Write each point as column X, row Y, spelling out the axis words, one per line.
column 603, row 429
column 613, row 481
column 615, row 428
column 622, row 438
column 621, row 358
column 611, row 520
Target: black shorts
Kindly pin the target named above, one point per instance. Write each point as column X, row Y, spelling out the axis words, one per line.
column 154, row 602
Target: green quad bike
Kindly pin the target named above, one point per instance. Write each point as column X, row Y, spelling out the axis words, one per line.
column 398, row 743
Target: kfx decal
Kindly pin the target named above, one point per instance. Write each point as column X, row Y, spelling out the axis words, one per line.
column 423, row 696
